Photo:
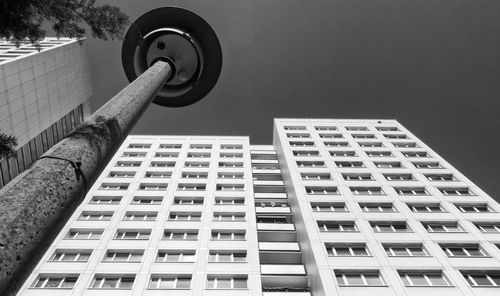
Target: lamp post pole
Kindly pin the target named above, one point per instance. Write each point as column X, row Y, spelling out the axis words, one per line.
column 45, row 194
column 172, row 58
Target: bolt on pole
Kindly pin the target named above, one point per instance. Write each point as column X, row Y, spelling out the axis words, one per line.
column 34, row 205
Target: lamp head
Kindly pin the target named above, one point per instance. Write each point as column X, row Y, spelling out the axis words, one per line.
column 186, row 41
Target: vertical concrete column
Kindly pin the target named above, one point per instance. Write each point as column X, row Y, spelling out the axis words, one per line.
column 35, row 205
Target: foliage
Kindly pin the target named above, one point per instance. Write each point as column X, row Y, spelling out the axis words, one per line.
column 21, row 20
column 7, row 144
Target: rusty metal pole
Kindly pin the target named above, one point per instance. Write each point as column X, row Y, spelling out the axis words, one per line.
column 35, row 205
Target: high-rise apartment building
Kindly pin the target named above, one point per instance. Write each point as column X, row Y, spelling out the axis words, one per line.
column 333, row 207
column 44, row 94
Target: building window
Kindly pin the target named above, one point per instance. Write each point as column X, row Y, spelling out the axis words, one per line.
column 158, row 174
column 170, row 282
column 411, row 191
column 442, row 227
column 55, row 281
column 184, row 216
column 427, row 165
column 301, row 144
column 379, row 153
column 167, row 154
column 405, row 250
column 186, row 200
column 357, row 177
column 198, row 155
column 480, row 278
column 395, row 136
column 228, row 235
column 337, row 226
column 230, row 164
column 354, row 249
column 363, row 136
column 377, row 207
column 311, row 164
column 194, row 175
column 396, row 226
column 123, row 256
column 140, row 216
column 110, row 200
column 230, row 187
column 132, row 234
column 359, row 278
column 440, row 177
column 456, row 191
column 170, row 146
column 227, row 282
column 231, row 146
column 463, row 250
column 95, row 216
column 229, row 217
column 229, row 200
column 417, row 278
column 325, row 128
column 399, row 177
column 488, row 227
column 387, row 128
column 230, row 175
column 343, row 153
column 113, row 186
column 329, row 207
column 113, row 282
column 227, row 256
column 316, row 190
column 294, row 128
column 84, row 234
column 336, row 144
column 388, row 165
column 331, row 136
column 134, row 154
column 425, row 208
column 370, row 144
column 316, row 176
column 231, row 155
column 366, row 191
column 140, row 146
column 415, row 154
column 176, row 256
column 191, row 187
column 405, row 145
column 474, row 208
column 356, row 128
column 162, row 164
column 191, row 234
column 201, row 146
column 71, row 255
column 147, row 200
column 306, row 153
column 121, row 174
column 298, row 135
column 349, row 164
column 153, row 187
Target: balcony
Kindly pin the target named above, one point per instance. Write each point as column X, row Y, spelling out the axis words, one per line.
column 272, row 208
column 279, row 246
column 280, row 195
column 269, row 182
column 282, row 269
column 285, row 286
column 275, row 223
column 280, row 257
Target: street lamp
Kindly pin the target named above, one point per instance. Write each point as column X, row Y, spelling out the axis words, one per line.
column 172, row 57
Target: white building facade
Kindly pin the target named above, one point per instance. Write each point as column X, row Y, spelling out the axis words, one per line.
column 333, row 207
column 44, row 94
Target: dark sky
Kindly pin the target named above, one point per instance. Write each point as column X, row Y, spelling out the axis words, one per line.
column 433, row 65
